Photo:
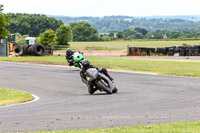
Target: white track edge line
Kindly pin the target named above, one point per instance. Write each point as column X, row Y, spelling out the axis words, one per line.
column 36, row 98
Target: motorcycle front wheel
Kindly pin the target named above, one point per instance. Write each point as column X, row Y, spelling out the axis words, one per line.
column 91, row 89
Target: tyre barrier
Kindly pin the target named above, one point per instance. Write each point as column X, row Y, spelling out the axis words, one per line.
column 170, row 51
column 197, row 51
column 183, row 50
column 18, row 50
column 140, row 51
column 191, row 51
column 36, row 50
column 162, row 51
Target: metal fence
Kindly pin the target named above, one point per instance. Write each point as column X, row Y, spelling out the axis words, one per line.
column 95, row 47
column 93, row 50
column 3, row 47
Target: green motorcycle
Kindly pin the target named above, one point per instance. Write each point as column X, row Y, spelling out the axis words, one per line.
column 78, row 58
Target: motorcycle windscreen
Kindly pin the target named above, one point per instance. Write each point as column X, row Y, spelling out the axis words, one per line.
column 92, row 73
column 77, row 56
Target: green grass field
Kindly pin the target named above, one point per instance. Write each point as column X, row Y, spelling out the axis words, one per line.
column 136, row 43
column 8, row 97
column 177, row 68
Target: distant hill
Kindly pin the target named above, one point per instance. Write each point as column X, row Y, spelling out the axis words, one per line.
column 184, row 17
column 120, row 23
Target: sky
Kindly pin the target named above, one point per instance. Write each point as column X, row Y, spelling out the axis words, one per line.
column 101, row 8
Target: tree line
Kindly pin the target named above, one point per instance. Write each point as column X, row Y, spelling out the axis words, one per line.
column 108, row 24
column 80, row 31
column 141, row 33
column 3, row 23
column 31, row 24
column 47, row 30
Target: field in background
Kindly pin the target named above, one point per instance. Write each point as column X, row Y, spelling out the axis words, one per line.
column 118, row 48
column 123, row 44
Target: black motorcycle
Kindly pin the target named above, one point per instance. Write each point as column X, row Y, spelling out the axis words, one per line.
column 100, row 81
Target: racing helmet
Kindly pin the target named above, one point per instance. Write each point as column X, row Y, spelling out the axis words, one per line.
column 69, row 51
column 85, row 63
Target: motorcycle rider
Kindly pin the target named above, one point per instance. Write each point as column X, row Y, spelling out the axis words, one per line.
column 86, row 65
column 69, row 55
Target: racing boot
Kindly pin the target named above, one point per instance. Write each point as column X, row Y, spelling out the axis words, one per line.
column 105, row 72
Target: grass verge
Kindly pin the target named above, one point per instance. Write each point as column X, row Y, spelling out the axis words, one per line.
column 8, row 97
column 180, row 127
column 177, row 68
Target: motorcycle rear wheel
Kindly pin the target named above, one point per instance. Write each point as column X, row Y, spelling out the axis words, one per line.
column 104, row 87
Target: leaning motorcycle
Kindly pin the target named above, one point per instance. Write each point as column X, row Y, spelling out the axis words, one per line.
column 78, row 58
column 100, row 81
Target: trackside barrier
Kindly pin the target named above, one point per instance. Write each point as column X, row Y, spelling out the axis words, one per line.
column 35, row 50
column 170, row 51
column 140, row 51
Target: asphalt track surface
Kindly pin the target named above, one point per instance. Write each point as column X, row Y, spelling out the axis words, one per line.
column 65, row 103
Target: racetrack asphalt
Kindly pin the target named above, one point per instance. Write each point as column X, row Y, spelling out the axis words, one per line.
column 65, row 103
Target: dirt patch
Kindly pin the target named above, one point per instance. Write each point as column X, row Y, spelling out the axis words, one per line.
column 42, row 62
column 96, row 52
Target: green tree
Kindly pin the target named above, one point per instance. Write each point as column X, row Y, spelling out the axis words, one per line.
column 128, row 32
column 18, row 36
column 3, row 24
column 136, row 35
column 150, row 35
column 21, row 41
column 48, row 37
column 83, row 31
column 101, row 35
column 63, row 35
column 175, row 34
column 141, row 30
column 158, row 34
column 32, row 24
column 111, row 34
column 133, row 34
column 120, row 35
